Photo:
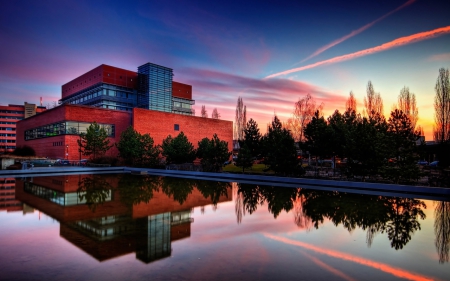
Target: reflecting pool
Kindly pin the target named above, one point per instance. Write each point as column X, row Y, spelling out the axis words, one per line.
column 134, row 227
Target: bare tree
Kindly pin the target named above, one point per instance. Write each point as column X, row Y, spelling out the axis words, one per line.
column 407, row 104
column 350, row 104
column 442, row 107
column 293, row 126
column 373, row 102
column 240, row 120
column 215, row 114
column 204, row 113
column 303, row 112
column 442, row 230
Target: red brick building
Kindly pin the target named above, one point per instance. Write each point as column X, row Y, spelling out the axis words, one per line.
column 116, row 99
column 9, row 116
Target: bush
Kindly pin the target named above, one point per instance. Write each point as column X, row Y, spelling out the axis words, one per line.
column 113, row 161
column 24, row 151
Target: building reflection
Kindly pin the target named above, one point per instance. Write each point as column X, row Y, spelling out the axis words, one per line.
column 8, row 201
column 109, row 216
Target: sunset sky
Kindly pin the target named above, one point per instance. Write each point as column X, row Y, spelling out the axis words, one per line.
column 271, row 53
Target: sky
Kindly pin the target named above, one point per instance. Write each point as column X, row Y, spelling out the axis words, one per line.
column 270, row 53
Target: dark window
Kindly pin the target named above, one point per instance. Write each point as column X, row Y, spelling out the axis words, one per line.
column 176, row 127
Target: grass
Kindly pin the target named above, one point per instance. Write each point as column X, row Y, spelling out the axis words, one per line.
column 255, row 169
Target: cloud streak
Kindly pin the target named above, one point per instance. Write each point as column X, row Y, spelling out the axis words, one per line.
column 356, row 32
column 386, row 46
column 398, row 272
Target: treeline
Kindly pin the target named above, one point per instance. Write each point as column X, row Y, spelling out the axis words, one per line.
column 139, row 150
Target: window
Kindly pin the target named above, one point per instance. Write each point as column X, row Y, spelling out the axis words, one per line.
column 176, row 127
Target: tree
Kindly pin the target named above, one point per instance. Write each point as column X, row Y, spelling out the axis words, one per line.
column 178, row 150
column 442, row 116
column 303, row 112
column 279, row 149
column 137, row 149
column 94, row 142
column 407, row 104
column 350, row 104
column 204, row 113
column 240, row 120
column 215, row 114
column 317, row 136
column 213, row 153
column 244, row 158
column 402, row 142
column 373, row 102
column 442, row 107
column 252, row 138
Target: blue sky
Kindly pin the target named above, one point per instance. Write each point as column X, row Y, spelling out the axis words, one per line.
column 227, row 49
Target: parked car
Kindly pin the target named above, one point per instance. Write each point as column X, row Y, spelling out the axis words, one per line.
column 83, row 162
column 434, row 164
column 422, row 163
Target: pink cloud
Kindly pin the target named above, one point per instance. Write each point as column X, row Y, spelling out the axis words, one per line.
column 386, row 46
column 440, row 57
column 263, row 98
column 356, row 32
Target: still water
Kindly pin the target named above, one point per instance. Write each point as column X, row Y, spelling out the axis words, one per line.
column 125, row 227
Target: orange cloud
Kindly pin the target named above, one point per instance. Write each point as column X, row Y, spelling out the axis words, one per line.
column 356, row 32
column 386, row 46
column 336, row 254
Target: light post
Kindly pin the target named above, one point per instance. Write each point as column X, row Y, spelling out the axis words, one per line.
column 67, row 152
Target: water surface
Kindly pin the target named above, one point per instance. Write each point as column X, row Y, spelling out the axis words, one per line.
column 125, row 227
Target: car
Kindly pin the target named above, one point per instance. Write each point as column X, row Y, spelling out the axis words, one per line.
column 434, row 164
column 422, row 163
column 83, row 162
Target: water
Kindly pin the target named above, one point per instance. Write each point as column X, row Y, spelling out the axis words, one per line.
column 124, row 227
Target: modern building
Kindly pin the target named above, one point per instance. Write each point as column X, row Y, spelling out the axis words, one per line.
column 148, row 100
column 152, row 87
column 9, row 116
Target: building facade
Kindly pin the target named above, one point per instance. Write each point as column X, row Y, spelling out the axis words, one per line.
column 149, row 101
column 9, row 116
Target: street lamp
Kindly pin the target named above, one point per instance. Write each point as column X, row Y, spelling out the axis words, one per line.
column 67, row 153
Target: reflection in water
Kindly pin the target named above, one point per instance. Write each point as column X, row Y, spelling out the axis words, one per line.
column 442, row 230
column 107, row 215
column 397, row 217
column 94, row 190
column 403, row 214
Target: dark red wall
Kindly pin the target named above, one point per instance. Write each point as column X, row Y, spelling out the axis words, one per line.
column 181, row 90
column 103, row 73
column 161, row 124
column 44, row 147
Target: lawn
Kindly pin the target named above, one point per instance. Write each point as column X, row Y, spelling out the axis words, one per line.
column 255, row 169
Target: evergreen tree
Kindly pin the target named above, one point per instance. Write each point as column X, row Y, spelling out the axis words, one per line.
column 213, row 153
column 94, row 142
column 402, row 142
column 178, row 150
column 137, row 149
column 244, row 158
column 280, row 150
column 252, row 138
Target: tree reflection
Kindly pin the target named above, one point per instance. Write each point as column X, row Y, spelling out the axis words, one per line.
column 239, row 207
column 213, row 189
column 278, row 199
column 403, row 221
column 300, row 218
column 179, row 189
column 251, row 196
column 137, row 189
column 442, row 230
column 94, row 190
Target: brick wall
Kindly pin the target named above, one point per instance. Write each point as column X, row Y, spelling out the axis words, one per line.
column 161, row 124
column 45, row 147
